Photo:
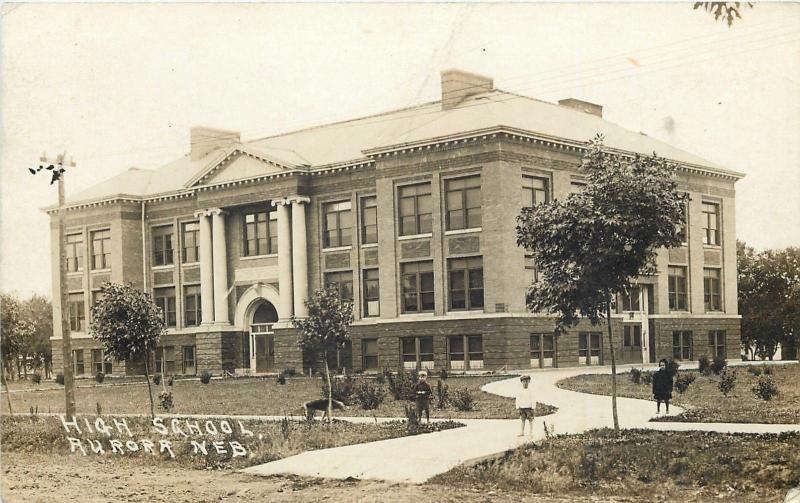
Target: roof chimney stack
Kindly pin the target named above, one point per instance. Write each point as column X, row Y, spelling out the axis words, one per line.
column 203, row 140
column 458, row 85
column 583, row 106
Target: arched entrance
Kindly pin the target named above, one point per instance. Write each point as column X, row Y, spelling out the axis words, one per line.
column 262, row 338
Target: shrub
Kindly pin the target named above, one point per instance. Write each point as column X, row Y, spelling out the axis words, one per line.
column 369, row 396
column 463, row 400
column 636, row 376
column 381, row 377
column 412, row 422
column 60, row 379
column 727, row 381
column 442, row 395
column 401, row 385
column 289, row 372
column 756, row 371
column 647, row 377
column 704, row 365
column 683, row 381
column 205, row 377
column 281, row 379
column 765, row 388
column 343, row 389
column 443, row 374
column 157, row 379
column 767, row 369
column 170, row 380
column 36, row 378
column 165, row 400
column 672, row 367
column 718, row 364
column 100, row 377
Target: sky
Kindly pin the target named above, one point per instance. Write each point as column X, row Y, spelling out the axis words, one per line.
column 119, row 85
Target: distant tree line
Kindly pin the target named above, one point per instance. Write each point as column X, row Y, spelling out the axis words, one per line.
column 25, row 330
column 769, row 301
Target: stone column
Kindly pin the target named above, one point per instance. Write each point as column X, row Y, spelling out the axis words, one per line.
column 299, row 255
column 220, row 267
column 284, row 260
column 206, row 268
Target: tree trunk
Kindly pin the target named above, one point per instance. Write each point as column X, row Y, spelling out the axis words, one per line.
column 149, row 390
column 8, row 393
column 330, row 387
column 613, row 364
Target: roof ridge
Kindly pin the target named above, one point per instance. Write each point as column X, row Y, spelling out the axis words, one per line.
column 327, row 124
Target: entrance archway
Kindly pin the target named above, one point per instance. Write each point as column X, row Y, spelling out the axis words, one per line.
column 262, row 338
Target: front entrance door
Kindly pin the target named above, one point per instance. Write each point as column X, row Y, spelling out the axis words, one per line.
column 543, row 350
column 262, row 347
column 632, row 343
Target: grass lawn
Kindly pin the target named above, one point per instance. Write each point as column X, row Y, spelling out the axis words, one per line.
column 253, row 396
column 703, row 400
column 260, row 441
column 644, row 466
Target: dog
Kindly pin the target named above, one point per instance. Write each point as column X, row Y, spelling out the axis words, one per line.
column 311, row 407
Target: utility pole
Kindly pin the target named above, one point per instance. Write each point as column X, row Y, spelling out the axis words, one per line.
column 57, row 169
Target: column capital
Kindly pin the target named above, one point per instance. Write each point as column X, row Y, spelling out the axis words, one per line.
column 280, row 202
column 299, row 199
column 208, row 212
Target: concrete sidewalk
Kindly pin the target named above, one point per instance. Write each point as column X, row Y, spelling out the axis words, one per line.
column 418, row 458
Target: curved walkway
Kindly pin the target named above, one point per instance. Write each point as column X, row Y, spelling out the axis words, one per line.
column 418, row 458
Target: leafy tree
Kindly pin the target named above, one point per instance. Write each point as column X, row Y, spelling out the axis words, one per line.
column 129, row 324
column 39, row 311
column 769, row 300
column 325, row 329
column 725, row 10
column 10, row 338
column 593, row 244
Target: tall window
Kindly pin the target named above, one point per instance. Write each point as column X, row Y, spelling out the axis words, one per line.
column 79, row 367
column 372, row 305
column 543, row 350
column 716, row 343
column 466, row 283
column 192, row 314
column 343, row 282
column 531, row 276
column 338, row 224
column 712, row 297
column 630, row 299
column 165, row 299
column 190, row 232
column 683, row 226
column 76, row 312
column 417, row 282
column 589, row 348
column 260, row 233
column 415, row 209
column 369, row 354
column 416, row 352
column 677, row 288
column 535, row 190
column 710, row 224
column 465, row 352
column 74, row 252
column 101, row 249
column 369, row 220
column 162, row 245
column 99, row 363
column 463, row 198
column 188, row 366
column 165, row 359
column 682, row 345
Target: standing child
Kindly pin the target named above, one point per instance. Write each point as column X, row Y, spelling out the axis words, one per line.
column 525, row 404
column 422, row 395
column 662, row 386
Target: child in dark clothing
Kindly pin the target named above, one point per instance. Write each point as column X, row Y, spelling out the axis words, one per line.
column 422, row 395
column 662, row 386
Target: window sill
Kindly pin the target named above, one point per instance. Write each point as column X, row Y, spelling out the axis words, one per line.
column 162, row 267
column 369, row 245
column 463, row 231
column 711, row 247
column 336, row 249
column 100, row 271
column 415, row 236
column 189, row 264
column 256, row 257
column 74, row 274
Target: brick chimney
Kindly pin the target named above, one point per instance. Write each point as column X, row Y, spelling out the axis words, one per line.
column 204, row 139
column 458, row 85
column 583, row 106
